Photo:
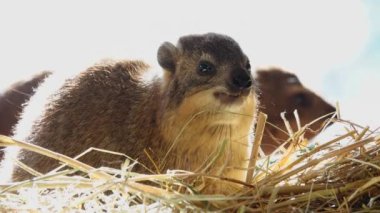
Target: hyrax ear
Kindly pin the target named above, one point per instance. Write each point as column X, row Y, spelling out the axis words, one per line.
column 167, row 56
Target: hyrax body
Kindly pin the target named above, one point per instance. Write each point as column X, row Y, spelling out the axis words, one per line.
column 282, row 91
column 206, row 98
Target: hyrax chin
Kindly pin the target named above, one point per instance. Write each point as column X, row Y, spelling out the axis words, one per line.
column 205, row 101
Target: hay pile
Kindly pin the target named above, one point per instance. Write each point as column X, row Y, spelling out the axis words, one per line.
column 339, row 175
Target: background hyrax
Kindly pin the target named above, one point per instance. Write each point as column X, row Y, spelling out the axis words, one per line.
column 12, row 101
column 205, row 100
column 281, row 91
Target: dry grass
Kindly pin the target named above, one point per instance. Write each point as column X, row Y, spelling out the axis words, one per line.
column 339, row 175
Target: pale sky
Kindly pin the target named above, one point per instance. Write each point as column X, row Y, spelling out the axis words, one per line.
column 326, row 43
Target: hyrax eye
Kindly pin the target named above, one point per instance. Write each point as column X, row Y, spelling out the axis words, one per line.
column 206, row 68
column 302, row 100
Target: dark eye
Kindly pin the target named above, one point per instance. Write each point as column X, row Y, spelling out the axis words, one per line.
column 206, row 68
column 248, row 66
column 302, row 100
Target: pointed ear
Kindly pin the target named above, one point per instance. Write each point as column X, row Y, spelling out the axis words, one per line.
column 167, row 56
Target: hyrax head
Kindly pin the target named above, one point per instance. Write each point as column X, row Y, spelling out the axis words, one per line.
column 283, row 92
column 207, row 71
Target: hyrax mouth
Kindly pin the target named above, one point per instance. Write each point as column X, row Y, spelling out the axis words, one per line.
column 231, row 97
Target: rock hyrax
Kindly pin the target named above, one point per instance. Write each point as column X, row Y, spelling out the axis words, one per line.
column 282, row 91
column 205, row 101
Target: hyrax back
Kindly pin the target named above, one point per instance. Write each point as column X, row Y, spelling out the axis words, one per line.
column 282, row 91
column 206, row 98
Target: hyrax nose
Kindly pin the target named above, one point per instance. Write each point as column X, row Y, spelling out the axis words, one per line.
column 242, row 79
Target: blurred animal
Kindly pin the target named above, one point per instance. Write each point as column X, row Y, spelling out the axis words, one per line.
column 282, row 91
column 12, row 102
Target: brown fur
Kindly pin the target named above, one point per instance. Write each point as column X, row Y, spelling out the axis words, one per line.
column 281, row 91
column 179, row 118
column 12, row 101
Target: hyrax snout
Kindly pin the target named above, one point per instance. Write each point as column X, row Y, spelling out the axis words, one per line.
column 241, row 79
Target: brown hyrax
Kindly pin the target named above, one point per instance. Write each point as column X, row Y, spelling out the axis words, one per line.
column 12, row 101
column 201, row 112
column 282, row 91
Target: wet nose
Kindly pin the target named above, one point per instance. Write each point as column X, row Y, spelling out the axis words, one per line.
column 242, row 79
